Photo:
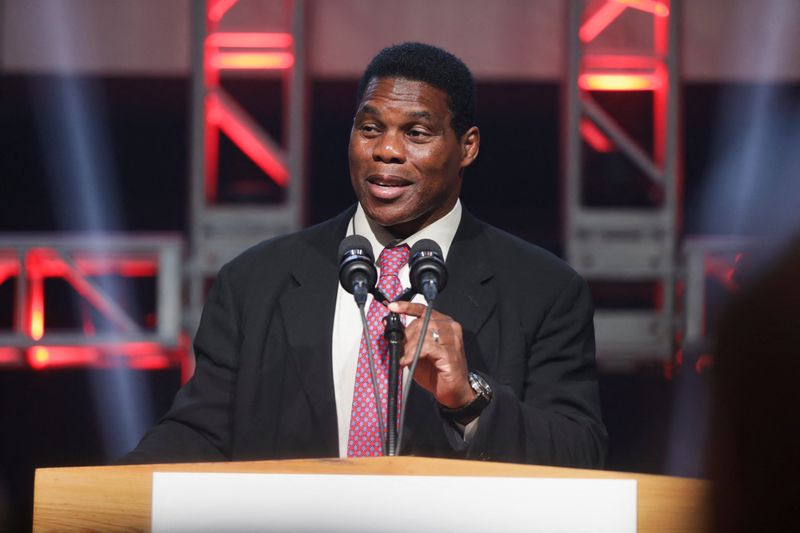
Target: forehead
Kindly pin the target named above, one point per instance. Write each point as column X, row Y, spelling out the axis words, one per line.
column 408, row 95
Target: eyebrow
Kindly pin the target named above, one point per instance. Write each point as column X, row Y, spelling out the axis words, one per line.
column 370, row 110
column 420, row 114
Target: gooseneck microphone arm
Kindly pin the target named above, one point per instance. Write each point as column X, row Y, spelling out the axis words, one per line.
column 428, row 276
column 358, row 275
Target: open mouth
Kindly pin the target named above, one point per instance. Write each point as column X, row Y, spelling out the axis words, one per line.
column 388, row 181
column 387, row 187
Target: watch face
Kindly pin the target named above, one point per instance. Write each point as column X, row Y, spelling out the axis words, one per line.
column 479, row 385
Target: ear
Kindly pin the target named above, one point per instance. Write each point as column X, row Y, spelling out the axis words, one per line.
column 470, row 146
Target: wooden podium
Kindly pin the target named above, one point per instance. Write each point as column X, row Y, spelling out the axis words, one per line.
column 116, row 498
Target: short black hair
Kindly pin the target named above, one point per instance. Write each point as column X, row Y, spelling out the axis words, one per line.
column 431, row 65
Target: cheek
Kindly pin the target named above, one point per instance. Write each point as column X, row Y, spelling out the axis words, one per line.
column 438, row 157
column 358, row 153
column 426, row 160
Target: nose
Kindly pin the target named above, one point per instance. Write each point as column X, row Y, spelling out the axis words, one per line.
column 389, row 148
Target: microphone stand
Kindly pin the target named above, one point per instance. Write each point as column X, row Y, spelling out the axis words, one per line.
column 394, row 332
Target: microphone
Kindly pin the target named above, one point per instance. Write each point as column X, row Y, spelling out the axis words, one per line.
column 428, row 273
column 357, row 272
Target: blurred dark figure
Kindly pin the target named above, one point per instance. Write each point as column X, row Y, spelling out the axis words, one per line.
column 755, row 449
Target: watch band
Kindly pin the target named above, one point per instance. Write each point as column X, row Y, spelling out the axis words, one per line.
column 466, row 414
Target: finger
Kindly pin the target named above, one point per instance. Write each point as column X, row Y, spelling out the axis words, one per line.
column 408, row 308
column 438, row 321
column 433, row 346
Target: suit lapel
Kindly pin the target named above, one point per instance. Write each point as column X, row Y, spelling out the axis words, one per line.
column 308, row 310
column 467, row 298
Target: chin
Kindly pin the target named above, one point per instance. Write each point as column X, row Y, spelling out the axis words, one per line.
column 382, row 213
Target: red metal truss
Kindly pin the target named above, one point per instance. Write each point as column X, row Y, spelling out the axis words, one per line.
column 253, row 51
column 643, row 71
column 224, row 114
column 31, row 266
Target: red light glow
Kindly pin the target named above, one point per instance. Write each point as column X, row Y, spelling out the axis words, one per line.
column 144, row 356
column 600, row 20
column 249, row 40
column 619, row 61
column 9, row 356
column 723, row 271
column 52, row 266
column 218, row 8
column 7, row 269
column 668, row 370
column 703, row 362
column 35, row 299
column 619, row 82
column 211, row 141
column 251, row 60
column 247, row 141
column 44, row 263
column 150, row 362
column 595, row 138
column 37, row 323
column 40, row 357
column 651, row 6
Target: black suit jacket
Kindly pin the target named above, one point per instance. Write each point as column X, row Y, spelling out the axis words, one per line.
column 263, row 384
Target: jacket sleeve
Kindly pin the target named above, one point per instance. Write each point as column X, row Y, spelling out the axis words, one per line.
column 556, row 420
column 198, row 425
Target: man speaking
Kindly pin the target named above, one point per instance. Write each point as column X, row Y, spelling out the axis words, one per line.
column 506, row 369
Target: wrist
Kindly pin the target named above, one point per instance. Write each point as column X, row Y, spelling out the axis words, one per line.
column 480, row 397
column 464, row 398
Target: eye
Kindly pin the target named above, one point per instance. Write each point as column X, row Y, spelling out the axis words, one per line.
column 418, row 133
column 368, row 129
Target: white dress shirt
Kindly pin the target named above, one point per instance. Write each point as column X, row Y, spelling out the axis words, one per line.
column 347, row 320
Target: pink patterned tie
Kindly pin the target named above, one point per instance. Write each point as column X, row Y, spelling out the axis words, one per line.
column 364, row 438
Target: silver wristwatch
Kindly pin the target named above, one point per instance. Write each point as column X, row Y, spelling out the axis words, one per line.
column 483, row 395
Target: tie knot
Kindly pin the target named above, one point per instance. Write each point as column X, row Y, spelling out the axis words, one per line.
column 393, row 259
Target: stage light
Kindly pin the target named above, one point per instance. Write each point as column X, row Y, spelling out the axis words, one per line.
column 619, row 82
column 38, row 357
column 249, row 40
column 251, row 60
column 35, row 299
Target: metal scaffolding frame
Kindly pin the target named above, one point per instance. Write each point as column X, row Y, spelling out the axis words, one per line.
column 703, row 259
column 625, row 244
column 80, row 260
column 220, row 232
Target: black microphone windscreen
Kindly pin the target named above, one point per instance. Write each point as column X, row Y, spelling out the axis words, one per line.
column 426, row 245
column 353, row 242
column 427, row 262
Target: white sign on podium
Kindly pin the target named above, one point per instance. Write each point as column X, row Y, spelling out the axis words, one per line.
column 201, row 502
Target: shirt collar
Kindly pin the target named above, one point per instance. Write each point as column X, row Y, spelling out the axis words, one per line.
column 442, row 231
